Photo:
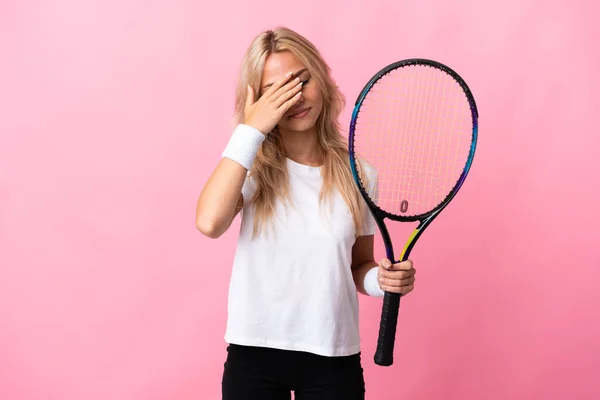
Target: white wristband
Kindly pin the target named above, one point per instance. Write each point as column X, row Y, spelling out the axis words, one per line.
column 243, row 145
column 371, row 283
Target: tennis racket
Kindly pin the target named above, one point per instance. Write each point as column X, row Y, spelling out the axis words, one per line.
column 415, row 124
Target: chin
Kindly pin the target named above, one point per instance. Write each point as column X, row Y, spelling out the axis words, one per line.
column 300, row 126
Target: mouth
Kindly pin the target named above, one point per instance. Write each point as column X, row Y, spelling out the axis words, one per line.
column 300, row 113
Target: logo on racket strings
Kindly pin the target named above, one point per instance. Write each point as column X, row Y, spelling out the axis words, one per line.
column 404, row 206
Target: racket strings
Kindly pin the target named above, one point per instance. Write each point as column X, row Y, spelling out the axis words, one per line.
column 414, row 128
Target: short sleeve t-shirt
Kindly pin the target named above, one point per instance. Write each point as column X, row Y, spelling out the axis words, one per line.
column 292, row 287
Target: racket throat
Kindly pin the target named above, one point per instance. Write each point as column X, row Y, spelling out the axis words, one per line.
column 389, row 248
column 409, row 244
column 387, row 240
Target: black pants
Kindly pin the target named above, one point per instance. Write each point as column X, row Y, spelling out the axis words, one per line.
column 258, row 373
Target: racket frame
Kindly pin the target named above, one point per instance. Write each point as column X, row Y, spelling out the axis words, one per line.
column 387, row 332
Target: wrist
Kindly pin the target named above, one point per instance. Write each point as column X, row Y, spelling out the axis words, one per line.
column 371, row 283
column 252, row 125
column 243, row 145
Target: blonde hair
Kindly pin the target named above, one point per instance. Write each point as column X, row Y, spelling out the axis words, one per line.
column 269, row 170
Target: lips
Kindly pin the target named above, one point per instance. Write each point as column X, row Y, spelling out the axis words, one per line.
column 299, row 113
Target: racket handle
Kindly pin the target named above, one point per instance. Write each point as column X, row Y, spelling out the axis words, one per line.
column 384, row 355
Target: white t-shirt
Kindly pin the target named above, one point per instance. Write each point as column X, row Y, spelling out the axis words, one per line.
column 292, row 287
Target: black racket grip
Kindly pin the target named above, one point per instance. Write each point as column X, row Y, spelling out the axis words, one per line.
column 384, row 355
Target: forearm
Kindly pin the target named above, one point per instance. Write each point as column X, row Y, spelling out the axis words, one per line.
column 218, row 200
column 221, row 196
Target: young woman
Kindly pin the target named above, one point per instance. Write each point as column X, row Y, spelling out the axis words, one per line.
column 305, row 245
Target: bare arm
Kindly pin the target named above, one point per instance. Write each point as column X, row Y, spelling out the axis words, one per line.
column 221, row 199
column 362, row 260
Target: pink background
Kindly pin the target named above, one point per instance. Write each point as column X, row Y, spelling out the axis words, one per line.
column 113, row 113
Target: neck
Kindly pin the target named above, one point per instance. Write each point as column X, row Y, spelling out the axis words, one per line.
column 302, row 147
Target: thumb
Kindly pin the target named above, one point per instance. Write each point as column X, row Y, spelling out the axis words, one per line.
column 249, row 96
column 385, row 263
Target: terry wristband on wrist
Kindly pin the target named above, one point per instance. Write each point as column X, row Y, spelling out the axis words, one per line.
column 371, row 283
column 243, row 145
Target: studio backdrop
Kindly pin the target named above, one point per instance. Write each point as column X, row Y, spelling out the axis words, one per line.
column 114, row 113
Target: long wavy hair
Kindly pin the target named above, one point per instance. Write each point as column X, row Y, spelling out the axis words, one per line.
column 269, row 170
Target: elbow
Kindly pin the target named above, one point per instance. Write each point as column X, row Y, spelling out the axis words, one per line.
column 209, row 228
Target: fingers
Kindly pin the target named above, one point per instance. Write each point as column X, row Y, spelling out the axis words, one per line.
column 277, row 85
column 265, row 113
column 396, row 278
column 402, row 286
column 290, row 103
column 396, row 283
column 284, row 89
column 404, row 290
column 385, row 263
column 401, row 266
column 287, row 92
